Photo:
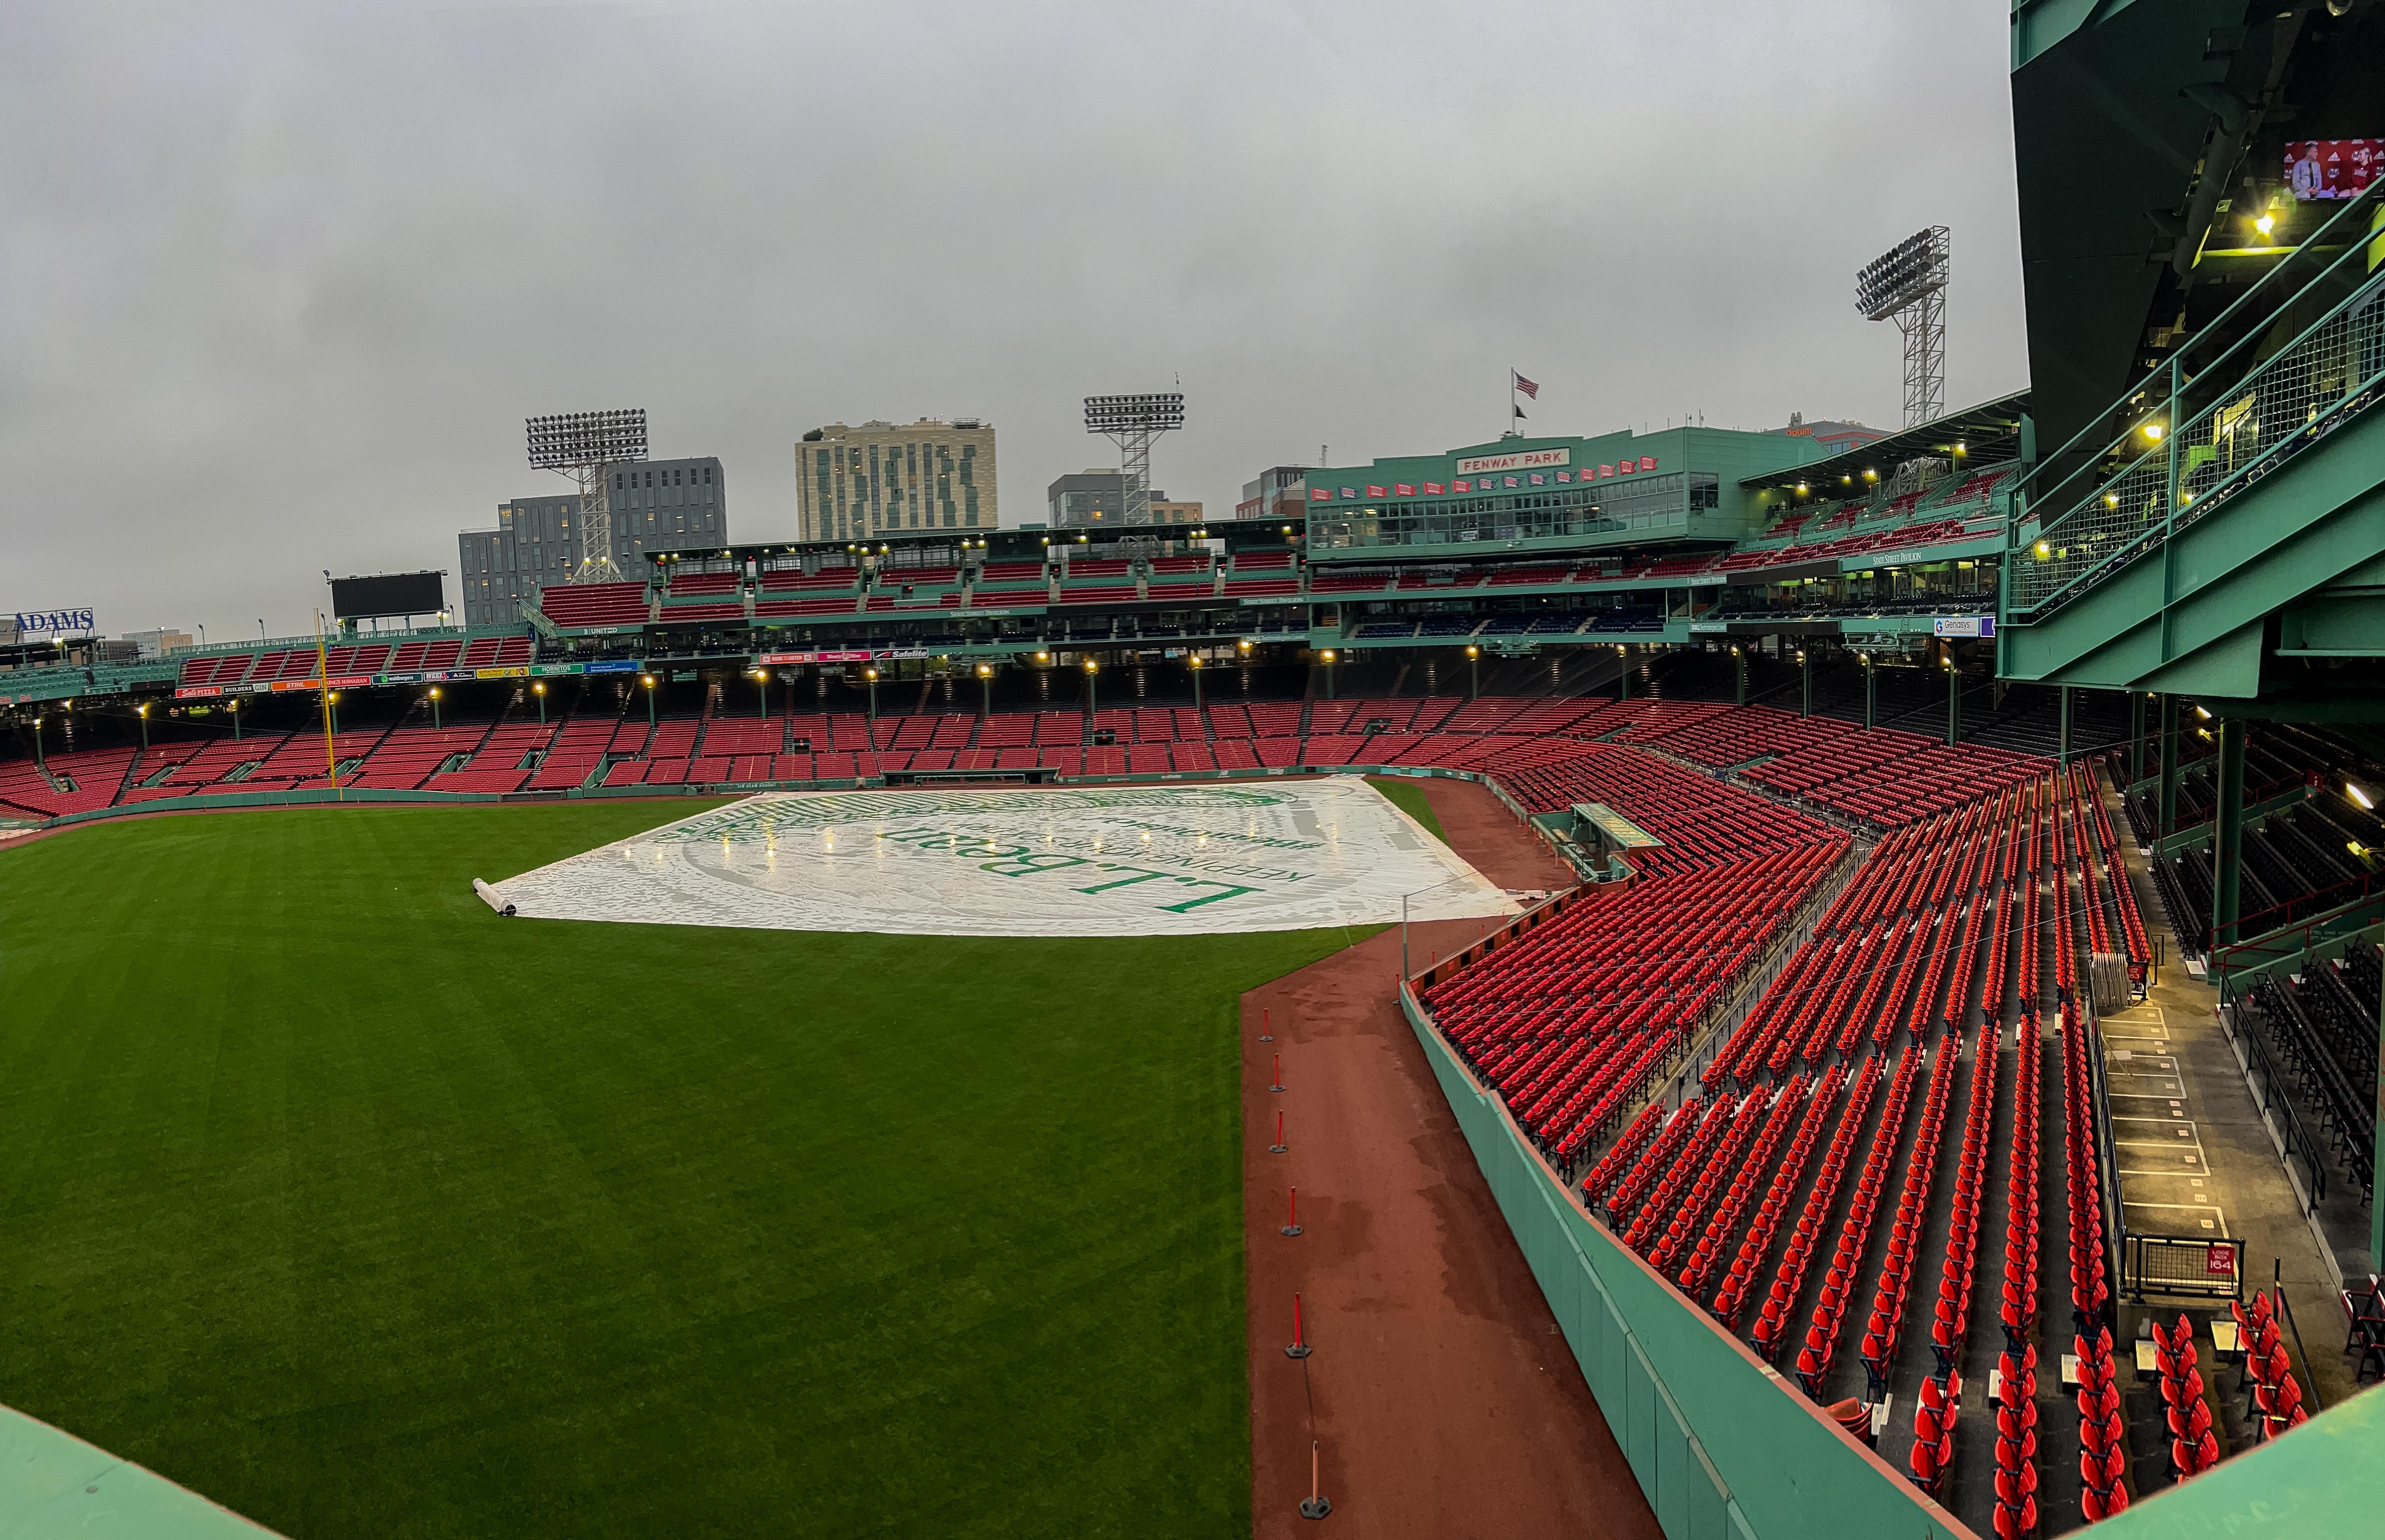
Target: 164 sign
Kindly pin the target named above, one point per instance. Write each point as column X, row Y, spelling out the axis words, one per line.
column 54, row 622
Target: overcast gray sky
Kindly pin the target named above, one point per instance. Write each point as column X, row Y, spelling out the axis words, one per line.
column 279, row 284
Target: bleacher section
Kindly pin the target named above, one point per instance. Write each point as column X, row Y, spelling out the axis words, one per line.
column 1870, row 1129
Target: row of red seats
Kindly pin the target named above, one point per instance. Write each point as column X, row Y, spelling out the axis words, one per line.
column 1950, row 1329
column 1787, row 1109
column 1894, row 1286
column 2103, row 1435
column 2013, row 1402
column 2018, row 1310
column 1854, row 1233
column 2194, row 1447
column 1664, row 1196
column 1786, row 1179
column 1689, row 1216
column 2277, row 1394
column 1789, row 1281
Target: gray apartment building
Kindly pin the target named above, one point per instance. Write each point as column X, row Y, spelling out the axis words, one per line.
column 855, row 482
column 655, row 505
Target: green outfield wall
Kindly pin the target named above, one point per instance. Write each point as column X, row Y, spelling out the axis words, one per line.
column 1723, row 1449
column 53, row 1486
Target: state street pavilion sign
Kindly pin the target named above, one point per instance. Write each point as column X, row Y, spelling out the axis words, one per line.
column 1126, row 860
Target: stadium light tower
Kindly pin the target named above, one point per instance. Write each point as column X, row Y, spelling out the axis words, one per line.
column 1908, row 283
column 1135, row 422
column 580, row 445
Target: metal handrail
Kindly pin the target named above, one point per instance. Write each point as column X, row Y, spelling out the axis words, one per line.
column 2348, row 216
column 2265, row 1100
column 2329, row 371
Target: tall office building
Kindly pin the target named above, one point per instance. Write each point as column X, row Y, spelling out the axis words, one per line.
column 852, row 484
column 655, row 505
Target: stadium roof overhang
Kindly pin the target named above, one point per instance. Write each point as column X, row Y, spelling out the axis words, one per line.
column 1983, row 435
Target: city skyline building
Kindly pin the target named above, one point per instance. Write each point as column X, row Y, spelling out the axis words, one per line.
column 653, row 506
column 856, row 482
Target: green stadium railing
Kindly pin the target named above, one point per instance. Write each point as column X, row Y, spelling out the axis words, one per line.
column 2233, row 403
column 54, row 1486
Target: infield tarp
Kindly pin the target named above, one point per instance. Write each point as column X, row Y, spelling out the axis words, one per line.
column 1123, row 860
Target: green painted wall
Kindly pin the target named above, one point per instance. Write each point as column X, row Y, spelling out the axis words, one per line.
column 1721, row 1444
column 53, row 1485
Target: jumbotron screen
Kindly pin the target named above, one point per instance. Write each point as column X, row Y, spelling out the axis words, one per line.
column 392, row 594
column 2321, row 170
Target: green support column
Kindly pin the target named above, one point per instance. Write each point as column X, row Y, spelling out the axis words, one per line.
column 2136, row 736
column 1871, row 694
column 2228, row 836
column 1807, row 709
column 1740, row 659
column 2167, row 812
column 1624, row 679
column 2063, row 753
column 2377, row 1210
column 1954, row 707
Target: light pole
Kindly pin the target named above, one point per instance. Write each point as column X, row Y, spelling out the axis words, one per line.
column 871, row 675
column 235, row 718
column 142, row 712
column 1870, row 696
column 1807, row 663
column 648, row 681
column 40, row 763
column 435, row 723
column 1473, row 673
column 1092, row 690
column 1328, row 673
column 985, row 689
column 1624, row 654
column 1739, row 663
column 1196, row 681
column 538, row 689
column 330, row 700
column 762, row 691
column 1954, row 701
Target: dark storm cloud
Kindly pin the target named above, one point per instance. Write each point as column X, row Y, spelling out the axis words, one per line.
column 276, row 286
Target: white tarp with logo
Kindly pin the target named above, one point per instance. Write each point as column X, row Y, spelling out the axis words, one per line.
column 1125, row 860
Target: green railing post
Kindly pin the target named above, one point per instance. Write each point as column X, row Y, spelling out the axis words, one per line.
column 2063, row 754
column 1626, row 678
column 2228, row 836
column 2136, row 736
column 1806, row 710
column 2166, row 819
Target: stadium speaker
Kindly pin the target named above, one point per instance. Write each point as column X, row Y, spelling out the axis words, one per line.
column 489, row 896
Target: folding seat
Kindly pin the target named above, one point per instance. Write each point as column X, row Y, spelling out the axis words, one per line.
column 2013, row 1486
column 2182, row 1457
column 2091, row 1505
column 2193, row 1421
column 2115, row 1464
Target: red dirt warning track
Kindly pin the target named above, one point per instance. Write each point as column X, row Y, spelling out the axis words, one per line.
column 1445, row 1402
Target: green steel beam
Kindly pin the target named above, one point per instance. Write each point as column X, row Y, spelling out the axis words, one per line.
column 2136, row 737
column 2255, row 816
column 2228, row 836
column 2192, row 615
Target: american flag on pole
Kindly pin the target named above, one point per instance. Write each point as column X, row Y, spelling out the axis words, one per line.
column 1526, row 386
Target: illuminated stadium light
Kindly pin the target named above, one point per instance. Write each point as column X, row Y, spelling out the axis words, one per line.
column 2352, row 789
column 1134, row 423
column 580, row 445
column 1908, row 283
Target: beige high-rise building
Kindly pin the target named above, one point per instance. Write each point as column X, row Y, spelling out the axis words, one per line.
column 856, row 483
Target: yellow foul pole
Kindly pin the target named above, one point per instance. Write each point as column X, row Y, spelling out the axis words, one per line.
column 323, row 678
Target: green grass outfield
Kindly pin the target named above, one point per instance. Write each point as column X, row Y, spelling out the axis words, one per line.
column 1408, row 796
column 327, row 1193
